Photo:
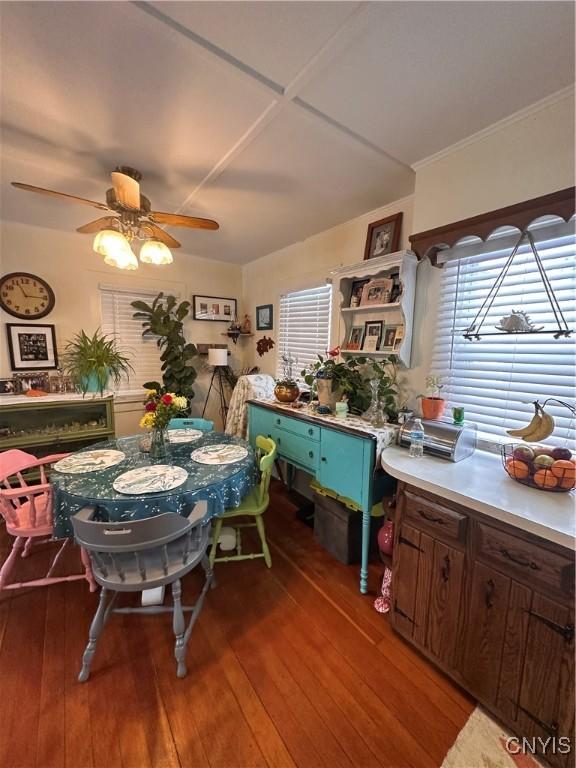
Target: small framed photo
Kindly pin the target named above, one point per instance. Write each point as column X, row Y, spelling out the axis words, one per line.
column 356, row 292
column 389, row 338
column 398, row 339
column 9, row 387
column 372, row 335
column 377, row 291
column 355, row 337
column 31, row 347
column 383, row 237
column 213, row 308
column 265, row 317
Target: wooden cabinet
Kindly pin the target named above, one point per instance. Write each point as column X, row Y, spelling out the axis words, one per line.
column 493, row 607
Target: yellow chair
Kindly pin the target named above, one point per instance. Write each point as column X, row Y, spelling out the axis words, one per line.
column 252, row 505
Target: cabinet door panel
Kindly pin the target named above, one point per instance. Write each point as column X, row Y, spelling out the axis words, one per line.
column 515, row 635
column 422, row 603
column 407, row 551
column 546, row 706
column 260, row 422
column 345, row 465
column 444, row 608
column 485, row 617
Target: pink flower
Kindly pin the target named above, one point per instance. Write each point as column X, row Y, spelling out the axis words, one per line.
column 166, row 399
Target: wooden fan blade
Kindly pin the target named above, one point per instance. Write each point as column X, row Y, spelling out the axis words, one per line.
column 52, row 193
column 176, row 220
column 159, row 234
column 127, row 190
column 95, row 226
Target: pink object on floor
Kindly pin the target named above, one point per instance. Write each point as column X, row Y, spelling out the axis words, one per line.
column 27, row 510
column 386, row 538
column 382, row 603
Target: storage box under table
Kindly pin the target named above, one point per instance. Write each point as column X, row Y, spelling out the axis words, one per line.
column 339, row 529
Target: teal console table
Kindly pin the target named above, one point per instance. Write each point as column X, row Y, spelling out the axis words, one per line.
column 340, row 457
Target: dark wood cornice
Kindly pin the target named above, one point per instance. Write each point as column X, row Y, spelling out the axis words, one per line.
column 427, row 244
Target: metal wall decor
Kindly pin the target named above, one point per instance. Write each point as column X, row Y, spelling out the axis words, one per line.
column 518, row 322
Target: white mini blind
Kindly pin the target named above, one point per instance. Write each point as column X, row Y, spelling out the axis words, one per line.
column 117, row 321
column 304, row 329
column 498, row 377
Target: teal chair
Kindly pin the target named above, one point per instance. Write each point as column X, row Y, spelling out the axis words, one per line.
column 253, row 505
column 203, row 424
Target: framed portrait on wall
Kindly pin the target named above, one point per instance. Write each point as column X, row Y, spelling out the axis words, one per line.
column 383, row 237
column 214, row 308
column 265, row 317
column 31, row 347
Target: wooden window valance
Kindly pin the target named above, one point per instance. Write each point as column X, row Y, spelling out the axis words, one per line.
column 428, row 243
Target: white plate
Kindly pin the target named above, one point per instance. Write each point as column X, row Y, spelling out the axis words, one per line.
column 89, row 461
column 158, row 477
column 186, row 435
column 223, row 453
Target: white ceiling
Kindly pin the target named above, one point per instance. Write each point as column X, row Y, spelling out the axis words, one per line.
column 278, row 119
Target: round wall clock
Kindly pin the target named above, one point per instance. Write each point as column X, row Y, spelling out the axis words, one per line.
column 26, row 296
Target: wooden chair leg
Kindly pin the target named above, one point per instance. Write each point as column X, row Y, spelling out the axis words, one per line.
column 93, row 635
column 9, row 562
column 262, row 532
column 215, row 536
column 179, row 628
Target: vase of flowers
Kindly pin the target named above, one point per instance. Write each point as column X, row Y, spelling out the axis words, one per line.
column 160, row 408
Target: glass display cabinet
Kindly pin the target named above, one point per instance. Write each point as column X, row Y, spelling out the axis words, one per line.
column 56, row 424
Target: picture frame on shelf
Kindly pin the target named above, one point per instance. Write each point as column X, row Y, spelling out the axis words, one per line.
column 214, row 308
column 389, row 338
column 355, row 338
column 265, row 317
column 383, row 237
column 373, row 330
column 398, row 339
column 9, row 386
column 377, row 291
column 356, row 292
column 31, row 347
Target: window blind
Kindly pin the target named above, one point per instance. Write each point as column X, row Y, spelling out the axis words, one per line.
column 304, row 329
column 117, row 321
column 497, row 378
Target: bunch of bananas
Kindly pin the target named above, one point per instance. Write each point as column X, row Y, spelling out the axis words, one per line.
column 541, row 426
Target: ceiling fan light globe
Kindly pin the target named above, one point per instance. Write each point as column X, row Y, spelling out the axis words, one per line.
column 155, row 252
column 122, row 259
column 115, row 249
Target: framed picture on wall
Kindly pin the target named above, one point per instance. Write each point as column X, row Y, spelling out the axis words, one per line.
column 383, row 236
column 31, row 347
column 265, row 317
column 214, row 308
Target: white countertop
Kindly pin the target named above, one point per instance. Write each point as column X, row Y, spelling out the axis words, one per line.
column 480, row 483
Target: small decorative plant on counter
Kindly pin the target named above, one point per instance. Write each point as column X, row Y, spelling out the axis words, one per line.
column 286, row 389
column 164, row 320
column 432, row 404
column 91, row 361
column 160, row 408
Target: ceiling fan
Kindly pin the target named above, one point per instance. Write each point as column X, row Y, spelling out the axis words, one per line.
column 129, row 217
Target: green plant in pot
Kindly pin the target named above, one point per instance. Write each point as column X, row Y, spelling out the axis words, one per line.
column 286, row 389
column 331, row 380
column 164, row 319
column 91, row 361
column 432, row 404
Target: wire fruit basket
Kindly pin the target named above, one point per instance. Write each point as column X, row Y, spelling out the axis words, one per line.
column 543, row 470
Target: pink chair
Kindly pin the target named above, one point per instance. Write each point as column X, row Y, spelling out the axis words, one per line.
column 27, row 510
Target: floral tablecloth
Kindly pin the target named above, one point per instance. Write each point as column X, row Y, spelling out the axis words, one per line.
column 222, row 486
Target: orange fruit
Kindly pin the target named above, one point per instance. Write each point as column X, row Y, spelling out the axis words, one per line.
column 545, row 479
column 567, row 482
column 517, row 469
column 563, row 469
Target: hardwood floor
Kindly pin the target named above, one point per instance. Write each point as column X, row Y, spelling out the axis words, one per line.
column 287, row 667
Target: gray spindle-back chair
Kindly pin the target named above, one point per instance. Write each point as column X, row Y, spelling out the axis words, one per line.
column 144, row 554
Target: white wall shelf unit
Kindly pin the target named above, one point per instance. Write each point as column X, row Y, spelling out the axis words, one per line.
column 399, row 313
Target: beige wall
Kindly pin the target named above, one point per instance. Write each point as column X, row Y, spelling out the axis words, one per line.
column 75, row 272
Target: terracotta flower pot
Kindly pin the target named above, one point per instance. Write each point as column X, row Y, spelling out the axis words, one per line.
column 433, row 407
column 326, row 396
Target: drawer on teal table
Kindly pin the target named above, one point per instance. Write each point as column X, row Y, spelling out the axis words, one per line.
column 297, row 427
column 300, row 450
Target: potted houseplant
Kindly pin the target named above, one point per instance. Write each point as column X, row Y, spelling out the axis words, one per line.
column 432, row 404
column 331, row 380
column 91, row 361
column 286, row 389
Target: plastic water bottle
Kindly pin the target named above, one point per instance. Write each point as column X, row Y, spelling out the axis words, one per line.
column 416, row 439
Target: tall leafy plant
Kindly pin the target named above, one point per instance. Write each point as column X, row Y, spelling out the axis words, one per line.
column 165, row 320
column 92, row 360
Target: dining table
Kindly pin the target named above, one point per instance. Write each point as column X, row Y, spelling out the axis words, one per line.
column 221, row 485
